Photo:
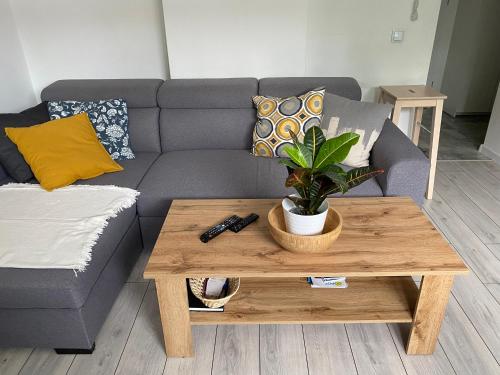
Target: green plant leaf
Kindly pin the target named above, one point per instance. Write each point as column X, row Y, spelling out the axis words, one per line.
column 308, row 156
column 313, row 139
column 339, row 179
column 299, row 202
column 331, row 168
column 355, row 177
column 288, row 163
column 297, row 156
column 335, row 150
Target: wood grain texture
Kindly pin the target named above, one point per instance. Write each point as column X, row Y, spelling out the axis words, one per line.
column 480, row 223
column 47, row 362
column 374, row 350
column 113, row 335
column 483, row 199
column 13, row 359
column 328, row 350
column 380, row 236
column 304, row 244
column 437, row 115
column 481, row 308
column 484, row 174
column 494, row 290
column 396, row 113
column 429, row 313
column 282, row 350
column 463, row 345
column 174, row 311
column 236, row 350
column 412, row 92
column 436, row 364
column 292, row 300
column 417, row 122
column 144, row 353
column 477, row 255
column 201, row 363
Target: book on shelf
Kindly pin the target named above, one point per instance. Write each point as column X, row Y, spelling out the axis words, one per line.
column 334, row 282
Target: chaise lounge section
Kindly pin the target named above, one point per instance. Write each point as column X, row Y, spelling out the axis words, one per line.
column 192, row 139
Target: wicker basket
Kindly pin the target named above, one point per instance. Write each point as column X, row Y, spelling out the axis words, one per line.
column 197, row 284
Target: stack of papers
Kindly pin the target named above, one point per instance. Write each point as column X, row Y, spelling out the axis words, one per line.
column 327, row 282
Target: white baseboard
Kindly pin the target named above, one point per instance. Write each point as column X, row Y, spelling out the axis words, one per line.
column 486, row 151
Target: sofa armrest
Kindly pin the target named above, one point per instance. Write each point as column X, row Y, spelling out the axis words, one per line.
column 406, row 167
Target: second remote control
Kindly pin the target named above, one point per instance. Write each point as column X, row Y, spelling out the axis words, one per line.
column 219, row 228
column 244, row 222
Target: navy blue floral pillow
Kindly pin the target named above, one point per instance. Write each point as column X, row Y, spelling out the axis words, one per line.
column 110, row 120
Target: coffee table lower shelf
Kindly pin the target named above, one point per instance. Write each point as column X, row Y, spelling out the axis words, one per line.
column 293, row 301
column 287, row 300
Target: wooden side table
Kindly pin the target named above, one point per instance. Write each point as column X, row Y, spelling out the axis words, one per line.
column 418, row 97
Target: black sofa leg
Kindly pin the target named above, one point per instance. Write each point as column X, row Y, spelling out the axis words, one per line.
column 76, row 351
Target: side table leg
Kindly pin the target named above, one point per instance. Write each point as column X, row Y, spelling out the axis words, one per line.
column 429, row 314
column 396, row 113
column 175, row 320
column 417, row 122
column 434, row 145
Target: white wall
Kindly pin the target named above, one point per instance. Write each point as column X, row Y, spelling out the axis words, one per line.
column 491, row 145
column 261, row 38
column 16, row 92
column 92, row 39
column 225, row 38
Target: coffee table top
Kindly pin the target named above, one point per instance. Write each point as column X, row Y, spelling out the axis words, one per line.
column 380, row 237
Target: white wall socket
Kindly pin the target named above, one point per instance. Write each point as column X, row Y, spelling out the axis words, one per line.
column 397, row 36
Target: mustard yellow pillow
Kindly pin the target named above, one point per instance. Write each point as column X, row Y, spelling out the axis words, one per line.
column 62, row 151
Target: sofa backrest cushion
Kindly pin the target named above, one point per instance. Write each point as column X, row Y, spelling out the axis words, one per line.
column 207, row 113
column 293, row 86
column 140, row 95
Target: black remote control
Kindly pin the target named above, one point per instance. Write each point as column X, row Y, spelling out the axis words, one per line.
column 244, row 222
column 219, row 228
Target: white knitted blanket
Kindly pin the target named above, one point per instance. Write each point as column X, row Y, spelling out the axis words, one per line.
column 58, row 229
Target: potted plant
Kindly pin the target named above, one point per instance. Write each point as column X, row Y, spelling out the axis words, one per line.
column 315, row 173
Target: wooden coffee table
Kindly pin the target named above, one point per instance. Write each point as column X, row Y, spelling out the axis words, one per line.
column 384, row 242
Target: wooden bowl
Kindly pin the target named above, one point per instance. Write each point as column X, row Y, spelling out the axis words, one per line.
column 304, row 244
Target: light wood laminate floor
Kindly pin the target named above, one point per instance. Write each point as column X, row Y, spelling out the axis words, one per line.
column 466, row 209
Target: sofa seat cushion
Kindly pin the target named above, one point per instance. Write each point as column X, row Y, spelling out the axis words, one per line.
column 196, row 174
column 217, row 174
column 132, row 174
column 57, row 288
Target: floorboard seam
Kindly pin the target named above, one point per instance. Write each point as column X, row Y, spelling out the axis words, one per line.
column 305, row 349
column 350, row 347
column 396, row 347
column 131, row 328
column 475, row 329
column 26, row 361
column 215, row 345
column 448, row 358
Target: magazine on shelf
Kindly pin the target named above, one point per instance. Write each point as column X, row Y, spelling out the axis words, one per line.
column 337, row 282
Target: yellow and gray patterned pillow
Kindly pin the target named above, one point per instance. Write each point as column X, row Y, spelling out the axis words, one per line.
column 276, row 116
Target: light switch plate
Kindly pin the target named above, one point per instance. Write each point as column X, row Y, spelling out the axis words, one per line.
column 397, row 36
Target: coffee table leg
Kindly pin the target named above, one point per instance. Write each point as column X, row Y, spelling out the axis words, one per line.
column 174, row 311
column 429, row 313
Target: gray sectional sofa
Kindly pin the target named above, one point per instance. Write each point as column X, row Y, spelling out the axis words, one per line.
column 192, row 139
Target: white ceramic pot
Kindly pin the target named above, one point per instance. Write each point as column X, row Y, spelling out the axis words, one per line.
column 304, row 225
